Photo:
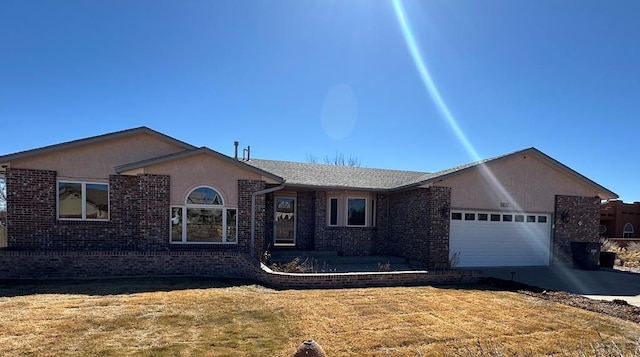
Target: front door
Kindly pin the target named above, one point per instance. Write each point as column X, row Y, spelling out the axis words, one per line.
column 285, row 222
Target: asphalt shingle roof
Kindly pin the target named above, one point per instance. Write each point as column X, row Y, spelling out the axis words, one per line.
column 322, row 175
column 309, row 174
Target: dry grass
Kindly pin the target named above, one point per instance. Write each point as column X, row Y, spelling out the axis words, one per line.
column 212, row 318
column 628, row 256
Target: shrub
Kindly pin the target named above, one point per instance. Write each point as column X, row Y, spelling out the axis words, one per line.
column 384, row 267
column 609, row 246
column 633, row 247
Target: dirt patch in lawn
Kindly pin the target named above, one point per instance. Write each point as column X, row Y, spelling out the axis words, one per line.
column 616, row 308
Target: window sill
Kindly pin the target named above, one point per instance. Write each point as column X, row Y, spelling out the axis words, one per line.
column 203, row 246
column 82, row 221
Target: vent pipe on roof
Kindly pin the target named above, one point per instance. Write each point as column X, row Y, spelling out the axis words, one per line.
column 235, row 143
column 246, row 151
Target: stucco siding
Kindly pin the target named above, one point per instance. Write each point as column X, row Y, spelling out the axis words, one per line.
column 203, row 170
column 522, row 182
column 98, row 160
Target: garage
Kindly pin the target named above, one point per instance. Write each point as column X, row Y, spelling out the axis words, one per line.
column 500, row 238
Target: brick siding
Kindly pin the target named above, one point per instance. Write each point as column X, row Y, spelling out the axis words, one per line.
column 438, row 208
column 419, row 226
column 381, row 241
column 101, row 264
column 31, row 208
column 319, row 241
column 245, row 189
column 580, row 224
column 350, row 241
column 138, row 205
column 305, row 215
column 153, row 195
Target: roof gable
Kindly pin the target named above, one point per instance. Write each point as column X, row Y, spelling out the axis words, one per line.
column 92, row 140
column 190, row 153
column 441, row 175
column 346, row 177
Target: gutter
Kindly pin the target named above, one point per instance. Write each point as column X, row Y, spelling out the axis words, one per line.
column 253, row 212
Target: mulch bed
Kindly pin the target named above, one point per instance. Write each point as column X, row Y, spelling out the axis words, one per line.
column 616, row 308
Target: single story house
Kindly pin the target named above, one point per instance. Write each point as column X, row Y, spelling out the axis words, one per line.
column 142, row 193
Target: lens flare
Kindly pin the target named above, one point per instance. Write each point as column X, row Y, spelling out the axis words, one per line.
column 500, row 191
column 442, row 107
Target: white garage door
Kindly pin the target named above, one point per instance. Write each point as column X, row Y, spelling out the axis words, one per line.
column 500, row 239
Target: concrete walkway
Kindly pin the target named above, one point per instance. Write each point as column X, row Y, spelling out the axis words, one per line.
column 604, row 284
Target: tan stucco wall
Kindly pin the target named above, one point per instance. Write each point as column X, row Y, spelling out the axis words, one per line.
column 526, row 182
column 203, row 170
column 97, row 160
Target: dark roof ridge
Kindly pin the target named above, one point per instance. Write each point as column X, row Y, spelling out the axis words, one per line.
column 348, row 167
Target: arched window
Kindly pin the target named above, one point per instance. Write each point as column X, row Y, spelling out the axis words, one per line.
column 204, row 196
column 627, row 232
column 204, row 219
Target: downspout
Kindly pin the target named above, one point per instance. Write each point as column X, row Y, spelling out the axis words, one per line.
column 253, row 212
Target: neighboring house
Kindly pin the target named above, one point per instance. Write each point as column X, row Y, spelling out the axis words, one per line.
column 141, row 193
column 620, row 220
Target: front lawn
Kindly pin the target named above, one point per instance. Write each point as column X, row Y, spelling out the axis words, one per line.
column 184, row 317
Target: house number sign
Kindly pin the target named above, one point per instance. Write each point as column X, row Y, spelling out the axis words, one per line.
column 504, row 204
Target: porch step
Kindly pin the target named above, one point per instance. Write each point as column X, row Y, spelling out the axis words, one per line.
column 286, row 254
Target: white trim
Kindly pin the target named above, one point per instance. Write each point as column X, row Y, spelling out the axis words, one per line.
column 625, row 231
column 83, row 204
column 486, row 233
column 366, row 211
column 222, row 196
column 295, row 221
column 186, row 206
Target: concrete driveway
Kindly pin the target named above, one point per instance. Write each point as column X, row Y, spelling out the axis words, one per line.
column 605, row 284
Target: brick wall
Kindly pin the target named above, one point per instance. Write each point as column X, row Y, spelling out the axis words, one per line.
column 320, row 220
column 353, row 241
column 245, row 189
column 124, row 208
column 306, row 220
column 138, row 205
column 31, row 208
column 349, row 240
column 153, row 211
column 577, row 219
column 381, row 242
column 409, row 225
column 438, row 209
column 418, row 225
column 269, row 219
column 57, row 264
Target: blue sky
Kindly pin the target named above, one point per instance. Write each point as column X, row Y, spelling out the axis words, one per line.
column 299, row 78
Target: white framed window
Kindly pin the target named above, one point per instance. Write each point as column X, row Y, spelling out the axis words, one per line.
column 627, row 232
column 82, row 201
column 356, row 212
column 204, row 219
